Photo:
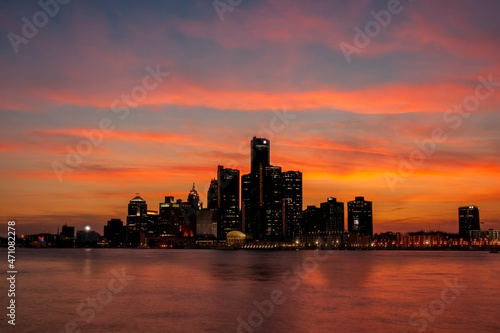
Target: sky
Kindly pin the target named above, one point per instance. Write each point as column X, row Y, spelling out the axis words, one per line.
column 394, row 101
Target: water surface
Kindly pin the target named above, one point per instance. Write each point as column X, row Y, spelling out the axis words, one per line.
column 222, row 291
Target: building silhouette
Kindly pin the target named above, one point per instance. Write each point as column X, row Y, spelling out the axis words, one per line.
column 291, row 183
column 333, row 215
column 313, row 220
column 252, row 189
column 228, row 201
column 67, row 232
column 115, row 232
column 137, row 220
column 359, row 217
column 271, row 199
column 259, row 154
column 212, row 194
column 177, row 219
column 468, row 220
column 194, row 199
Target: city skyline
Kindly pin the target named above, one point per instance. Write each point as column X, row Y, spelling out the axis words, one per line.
column 266, row 191
column 154, row 95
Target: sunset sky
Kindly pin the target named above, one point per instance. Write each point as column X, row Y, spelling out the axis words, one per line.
column 275, row 69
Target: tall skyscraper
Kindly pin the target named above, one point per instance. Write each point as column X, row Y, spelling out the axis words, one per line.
column 137, row 206
column 359, row 216
column 468, row 220
column 260, row 154
column 272, row 226
column 228, row 201
column 333, row 215
column 137, row 221
column 291, row 182
column 212, row 195
column 271, row 200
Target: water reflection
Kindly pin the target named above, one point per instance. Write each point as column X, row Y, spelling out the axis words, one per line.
column 209, row 290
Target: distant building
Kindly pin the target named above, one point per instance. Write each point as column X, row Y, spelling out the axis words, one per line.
column 194, row 199
column 252, row 190
column 115, row 232
column 87, row 237
column 205, row 222
column 212, row 194
column 360, row 217
column 259, row 154
column 137, row 220
column 468, row 220
column 42, row 240
column 291, row 183
column 228, row 201
column 176, row 218
column 67, row 232
column 333, row 215
column 313, row 220
column 271, row 199
column 272, row 227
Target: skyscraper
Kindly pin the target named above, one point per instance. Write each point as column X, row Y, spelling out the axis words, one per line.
column 137, row 221
column 333, row 215
column 359, row 216
column 272, row 226
column 228, row 201
column 137, row 206
column 260, row 154
column 271, row 200
column 468, row 220
column 212, row 195
column 291, row 183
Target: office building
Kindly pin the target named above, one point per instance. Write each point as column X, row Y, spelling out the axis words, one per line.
column 115, row 232
column 333, row 215
column 271, row 199
column 137, row 220
column 468, row 220
column 291, row 183
column 313, row 220
column 228, row 201
column 259, row 154
column 360, row 217
column 67, row 232
column 212, row 194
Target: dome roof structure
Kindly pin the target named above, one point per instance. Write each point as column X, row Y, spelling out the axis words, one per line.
column 236, row 238
column 236, row 235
